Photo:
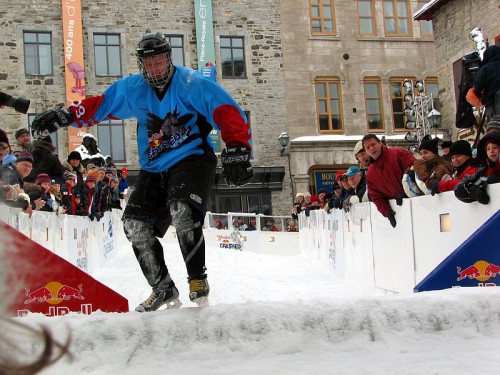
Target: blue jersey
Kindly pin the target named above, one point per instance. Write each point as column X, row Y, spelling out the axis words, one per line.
column 178, row 125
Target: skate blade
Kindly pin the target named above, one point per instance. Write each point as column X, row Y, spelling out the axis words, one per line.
column 174, row 304
column 201, row 302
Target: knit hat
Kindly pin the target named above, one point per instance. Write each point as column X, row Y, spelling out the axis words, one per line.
column 25, row 155
column 74, row 155
column 446, row 144
column 20, row 132
column 77, row 194
column 55, row 180
column 481, row 147
column 115, row 179
column 109, row 170
column 307, row 195
column 358, row 148
column 42, row 177
column 299, row 195
column 124, row 170
column 68, row 175
column 3, row 137
column 461, row 148
column 339, row 174
column 429, row 144
column 91, row 177
column 494, row 123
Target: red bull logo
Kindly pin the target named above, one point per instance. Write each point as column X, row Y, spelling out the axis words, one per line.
column 481, row 271
column 54, row 293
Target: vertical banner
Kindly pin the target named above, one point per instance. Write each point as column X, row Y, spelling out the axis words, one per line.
column 206, row 50
column 73, row 62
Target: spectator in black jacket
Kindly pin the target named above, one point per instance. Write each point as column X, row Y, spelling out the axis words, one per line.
column 487, row 81
column 45, row 161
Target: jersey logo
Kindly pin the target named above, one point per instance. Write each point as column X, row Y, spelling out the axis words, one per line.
column 167, row 133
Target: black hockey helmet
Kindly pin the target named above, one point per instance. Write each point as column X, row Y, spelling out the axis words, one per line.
column 155, row 44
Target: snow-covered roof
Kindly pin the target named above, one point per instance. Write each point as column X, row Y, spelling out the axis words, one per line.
column 427, row 11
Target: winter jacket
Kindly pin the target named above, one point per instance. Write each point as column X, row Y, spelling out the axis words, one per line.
column 45, row 161
column 80, row 172
column 385, row 174
column 466, row 169
column 485, row 175
column 487, row 80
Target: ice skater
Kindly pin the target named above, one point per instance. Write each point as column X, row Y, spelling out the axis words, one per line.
column 176, row 108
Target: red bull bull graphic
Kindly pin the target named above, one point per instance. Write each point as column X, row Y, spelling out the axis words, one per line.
column 39, row 281
column 480, row 271
column 475, row 263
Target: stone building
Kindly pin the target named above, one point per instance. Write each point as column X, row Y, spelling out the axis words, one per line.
column 453, row 21
column 325, row 72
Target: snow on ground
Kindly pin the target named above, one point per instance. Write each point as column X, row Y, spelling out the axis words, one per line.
column 279, row 315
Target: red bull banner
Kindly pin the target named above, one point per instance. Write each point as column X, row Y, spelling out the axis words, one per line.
column 73, row 62
column 37, row 280
column 475, row 263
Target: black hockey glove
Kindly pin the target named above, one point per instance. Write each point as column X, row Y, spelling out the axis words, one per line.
column 392, row 219
column 478, row 193
column 236, row 167
column 399, row 198
column 51, row 121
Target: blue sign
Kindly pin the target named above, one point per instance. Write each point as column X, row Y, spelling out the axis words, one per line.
column 476, row 262
column 324, row 180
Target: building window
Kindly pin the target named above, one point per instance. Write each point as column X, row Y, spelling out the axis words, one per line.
column 328, row 105
column 107, row 55
column 111, row 135
column 322, row 13
column 432, row 88
column 37, row 53
column 232, row 52
column 177, row 44
column 397, row 18
column 373, row 104
column 397, row 101
column 425, row 26
column 366, row 14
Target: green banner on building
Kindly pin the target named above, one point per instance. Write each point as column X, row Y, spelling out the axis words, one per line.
column 204, row 32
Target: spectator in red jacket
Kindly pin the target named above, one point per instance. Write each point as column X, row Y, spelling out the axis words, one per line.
column 465, row 165
column 387, row 166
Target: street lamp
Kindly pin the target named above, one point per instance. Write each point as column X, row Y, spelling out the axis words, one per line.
column 434, row 117
column 284, row 139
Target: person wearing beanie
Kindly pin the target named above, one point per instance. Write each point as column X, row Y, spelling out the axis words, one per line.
column 298, row 206
column 51, row 204
column 45, row 161
column 90, row 196
column 67, row 189
column 123, row 184
column 445, row 146
column 430, row 168
column 474, row 187
column 15, row 173
column 23, row 141
column 464, row 164
column 493, row 124
column 74, row 164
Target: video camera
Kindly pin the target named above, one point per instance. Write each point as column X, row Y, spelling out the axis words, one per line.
column 20, row 105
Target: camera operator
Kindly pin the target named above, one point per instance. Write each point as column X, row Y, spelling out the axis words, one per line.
column 473, row 187
column 487, row 81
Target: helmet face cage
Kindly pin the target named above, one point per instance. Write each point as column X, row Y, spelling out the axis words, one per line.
column 155, row 44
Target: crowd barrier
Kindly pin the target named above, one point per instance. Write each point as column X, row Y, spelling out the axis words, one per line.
column 366, row 250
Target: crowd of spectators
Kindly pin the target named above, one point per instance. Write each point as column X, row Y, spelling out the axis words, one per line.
column 33, row 177
column 387, row 173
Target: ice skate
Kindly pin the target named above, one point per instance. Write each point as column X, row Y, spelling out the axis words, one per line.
column 199, row 291
column 169, row 297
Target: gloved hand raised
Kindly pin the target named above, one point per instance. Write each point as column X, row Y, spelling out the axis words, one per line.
column 50, row 121
column 236, row 167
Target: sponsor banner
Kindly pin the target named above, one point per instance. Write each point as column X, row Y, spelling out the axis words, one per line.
column 233, row 241
column 73, row 62
column 37, row 280
column 475, row 263
column 324, row 180
column 204, row 32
